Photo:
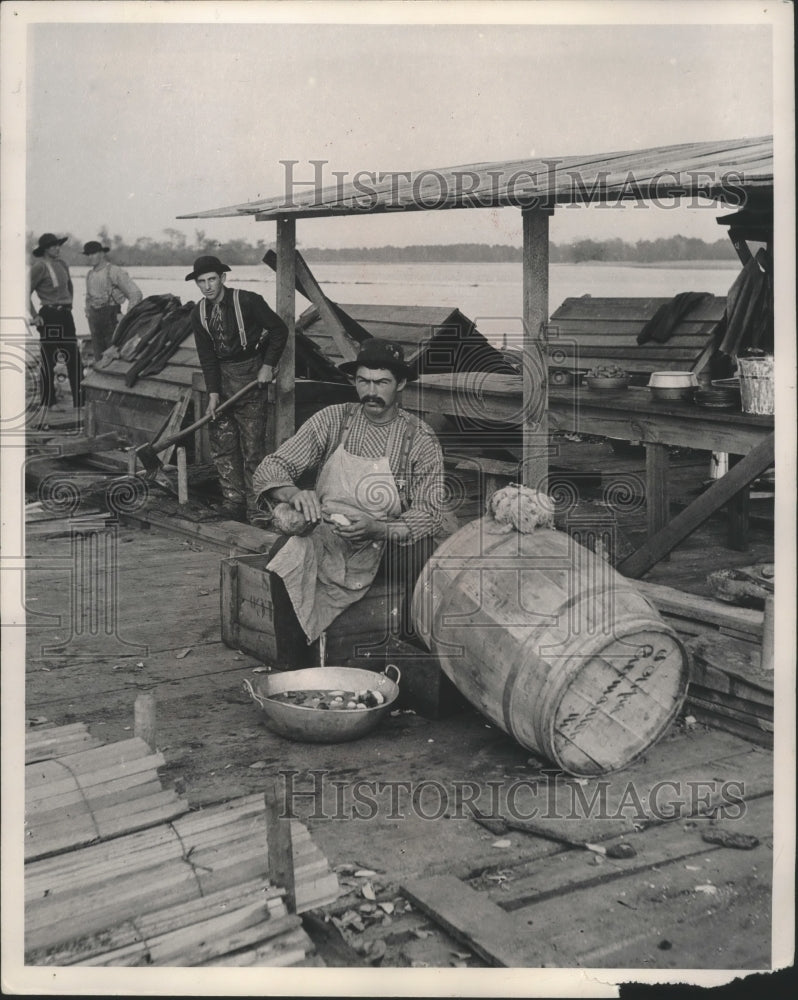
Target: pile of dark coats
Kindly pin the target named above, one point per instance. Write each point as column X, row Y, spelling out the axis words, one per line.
column 148, row 335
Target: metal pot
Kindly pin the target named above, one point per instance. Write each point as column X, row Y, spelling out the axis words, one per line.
column 673, row 380
column 665, row 393
column 313, row 725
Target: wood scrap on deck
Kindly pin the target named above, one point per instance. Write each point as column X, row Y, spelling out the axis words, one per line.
column 116, row 873
column 109, row 887
column 729, row 689
column 692, row 614
column 610, row 908
column 44, row 743
column 86, row 795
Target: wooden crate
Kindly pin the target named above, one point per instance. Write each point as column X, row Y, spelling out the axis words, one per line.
column 254, row 620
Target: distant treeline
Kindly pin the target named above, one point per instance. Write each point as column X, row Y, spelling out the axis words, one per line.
column 176, row 249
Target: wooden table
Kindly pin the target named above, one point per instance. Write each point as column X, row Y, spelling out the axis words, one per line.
column 629, row 415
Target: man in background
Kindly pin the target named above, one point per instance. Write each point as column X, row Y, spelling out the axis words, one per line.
column 51, row 282
column 239, row 339
column 108, row 286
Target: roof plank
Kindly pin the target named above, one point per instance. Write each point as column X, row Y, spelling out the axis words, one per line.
column 687, row 168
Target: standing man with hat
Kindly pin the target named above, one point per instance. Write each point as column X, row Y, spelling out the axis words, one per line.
column 239, row 339
column 107, row 287
column 51, row 281
column 378, row 488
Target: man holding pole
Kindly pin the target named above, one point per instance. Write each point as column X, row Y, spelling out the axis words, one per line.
column 239, row 340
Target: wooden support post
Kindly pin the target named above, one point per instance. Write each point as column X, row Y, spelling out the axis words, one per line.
column 131, row 462
column 182, row 476
column 199, row 402
column 144, row 719
column 754, row 464
column 280, row 426
column 281, row 850
column 768, row 660
column 738, row 511
column 173, row 424
column 657, row 491
column 535, row 363
column 90, row 419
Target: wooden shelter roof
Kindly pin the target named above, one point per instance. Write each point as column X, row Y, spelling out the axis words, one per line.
column 418, row 329
column 718, row 170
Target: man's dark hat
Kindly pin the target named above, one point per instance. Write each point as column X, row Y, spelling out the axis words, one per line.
column 202, row 265
column 47, row 240
column 378, row 353
column 94, row 247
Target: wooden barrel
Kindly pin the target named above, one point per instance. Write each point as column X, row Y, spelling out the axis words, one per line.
column 551, row 644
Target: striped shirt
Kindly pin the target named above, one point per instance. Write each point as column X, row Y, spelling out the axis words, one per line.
column 420, row 485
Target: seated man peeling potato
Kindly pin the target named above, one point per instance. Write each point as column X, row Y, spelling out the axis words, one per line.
column 379, row 482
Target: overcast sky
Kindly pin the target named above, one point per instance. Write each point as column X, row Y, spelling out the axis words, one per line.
column 131, row 125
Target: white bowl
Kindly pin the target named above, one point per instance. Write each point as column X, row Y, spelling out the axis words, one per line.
column 672, row 380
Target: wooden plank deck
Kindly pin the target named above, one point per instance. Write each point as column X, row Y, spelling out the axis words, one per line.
column 210, row 735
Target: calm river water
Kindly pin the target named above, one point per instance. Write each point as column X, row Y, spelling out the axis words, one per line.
column 489, row 294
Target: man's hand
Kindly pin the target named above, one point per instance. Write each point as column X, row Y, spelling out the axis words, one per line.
column 362, row 529
column 308, row 504
column 265, row 374
column 38, row 322
column 213, row 405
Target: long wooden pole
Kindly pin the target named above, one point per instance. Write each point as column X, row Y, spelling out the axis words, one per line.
column 535, row 368
column 281, row 426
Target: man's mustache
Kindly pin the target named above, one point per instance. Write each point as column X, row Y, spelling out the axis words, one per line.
column 373, row 399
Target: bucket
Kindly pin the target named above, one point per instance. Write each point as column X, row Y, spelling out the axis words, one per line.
column 551, row 645
column 756, row 384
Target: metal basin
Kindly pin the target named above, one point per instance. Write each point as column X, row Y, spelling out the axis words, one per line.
column 313, row 725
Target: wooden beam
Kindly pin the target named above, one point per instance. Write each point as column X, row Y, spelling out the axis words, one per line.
column 182, row 475
column 535, row 317
column 144, row 718
column 199, row 399
column 739, row 515
column 173, row 424
column 280, row 426
column 657, row 490
column 72, row 447
column 754, row 464
column 356, row 333
column 477, row 922
column 313, row 291
column 280, row 847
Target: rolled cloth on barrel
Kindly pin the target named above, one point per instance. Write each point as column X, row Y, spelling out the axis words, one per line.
column 520, row 508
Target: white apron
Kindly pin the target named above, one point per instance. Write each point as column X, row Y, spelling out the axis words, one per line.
column 324, row 573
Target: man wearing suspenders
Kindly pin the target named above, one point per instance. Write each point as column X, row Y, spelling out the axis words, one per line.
column 239, row 339
column 107, row 288
column 378, row 488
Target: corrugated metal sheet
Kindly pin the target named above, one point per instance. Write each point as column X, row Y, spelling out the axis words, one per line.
column 720, row 170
